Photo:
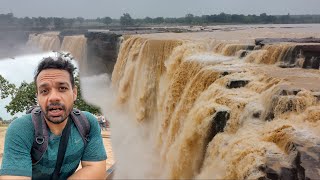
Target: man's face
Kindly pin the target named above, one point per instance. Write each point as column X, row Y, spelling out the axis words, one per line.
column 55, row 94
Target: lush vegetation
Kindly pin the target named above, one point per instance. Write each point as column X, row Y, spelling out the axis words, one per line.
column 24, row 97
column 10, row 21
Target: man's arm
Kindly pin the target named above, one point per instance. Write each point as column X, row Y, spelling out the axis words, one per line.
column 93, row 161
column 91, row 170
column 16, row 162
column 15, row 177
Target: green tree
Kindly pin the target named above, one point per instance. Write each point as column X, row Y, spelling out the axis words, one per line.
column 23, row 99
column 158, row 20
column 43, row 22
column 80, row 20
column 106, row 20
column 126, row 20
column 148, row 20
column 189, row 18
column 58, row 23
column 6, row 18
column 26, row 22
column 6, row 88
column 68, row 22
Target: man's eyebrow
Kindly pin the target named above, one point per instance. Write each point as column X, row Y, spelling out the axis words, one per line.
column 43, row 85
column 63, row 84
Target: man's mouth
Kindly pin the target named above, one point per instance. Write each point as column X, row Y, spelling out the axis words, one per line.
column 55, row 111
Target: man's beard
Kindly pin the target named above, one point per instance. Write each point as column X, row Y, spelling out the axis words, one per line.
column 56, row 119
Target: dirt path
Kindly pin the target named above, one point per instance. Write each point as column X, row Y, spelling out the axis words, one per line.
column 107, row 144
column 2, row 134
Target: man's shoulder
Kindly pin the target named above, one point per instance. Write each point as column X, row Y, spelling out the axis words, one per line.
column 89, row 116
column 21, row 127
column 24, row 121
column 94, row 125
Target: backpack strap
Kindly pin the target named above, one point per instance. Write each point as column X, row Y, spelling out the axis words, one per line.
column 82, row 124
column 61, row 151
column 41, row 136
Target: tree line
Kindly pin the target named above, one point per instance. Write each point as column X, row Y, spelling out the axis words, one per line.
column 9, row 20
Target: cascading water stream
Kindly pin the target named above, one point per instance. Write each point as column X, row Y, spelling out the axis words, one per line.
column 209, row 116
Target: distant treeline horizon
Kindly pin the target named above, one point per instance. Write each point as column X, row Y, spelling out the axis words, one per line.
column 10, row 21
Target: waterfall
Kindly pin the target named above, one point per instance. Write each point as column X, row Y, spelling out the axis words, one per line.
column 192, row 113
column 208, row 110
column 77, row 46
column 46, row 42
column 271, row 54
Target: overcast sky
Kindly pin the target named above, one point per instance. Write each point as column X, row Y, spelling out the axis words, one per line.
column 154, row 8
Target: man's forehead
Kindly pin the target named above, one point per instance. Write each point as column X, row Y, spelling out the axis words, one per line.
column 53, row 75
column 47, row 83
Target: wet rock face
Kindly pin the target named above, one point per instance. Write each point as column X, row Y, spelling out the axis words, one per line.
column 217, row 125
column 305, row 164
column 250, row 47
column 102, row 51
column 264, row 41
column 316, row 95
column 305, row 54
column 285, row 100
column 219, row 122
column 237, row 83
column 299, row 159
column 243, row 53
column 311, row 164
column 311, row 63
column 287, row 92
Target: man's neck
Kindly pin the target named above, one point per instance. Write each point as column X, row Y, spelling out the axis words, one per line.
column 57, row 129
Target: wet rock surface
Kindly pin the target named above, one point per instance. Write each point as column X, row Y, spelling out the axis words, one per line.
column 102, row 51
column 286, row 99
column 304, row 54
column 219, row 121
column 217, row 125
column 264, row 41
column 237, row 83
column 305, row 164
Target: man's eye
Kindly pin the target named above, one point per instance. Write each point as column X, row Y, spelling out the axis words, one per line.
column 43, row 91
column 63, row 88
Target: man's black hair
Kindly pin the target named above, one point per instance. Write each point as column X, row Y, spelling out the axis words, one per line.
column 59, row 63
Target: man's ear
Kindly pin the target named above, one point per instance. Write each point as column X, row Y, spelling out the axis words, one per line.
column 75, row 93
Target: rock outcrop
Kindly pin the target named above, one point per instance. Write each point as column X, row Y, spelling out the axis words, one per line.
column 102, row 51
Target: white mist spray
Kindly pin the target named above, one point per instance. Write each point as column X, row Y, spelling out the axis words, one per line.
column 131, row 147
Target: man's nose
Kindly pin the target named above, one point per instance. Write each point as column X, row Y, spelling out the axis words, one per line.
column 54, row 96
